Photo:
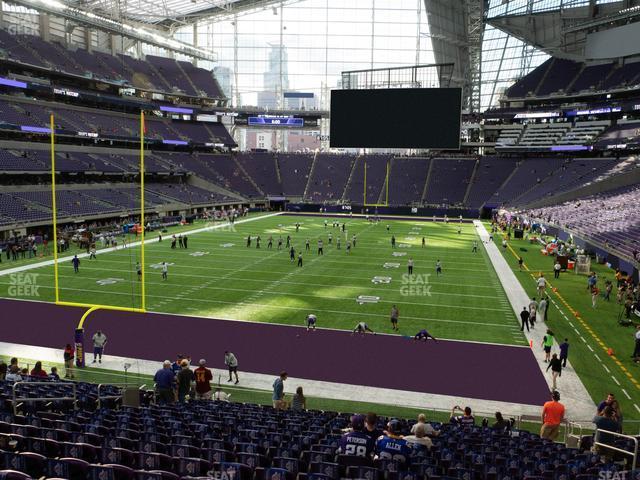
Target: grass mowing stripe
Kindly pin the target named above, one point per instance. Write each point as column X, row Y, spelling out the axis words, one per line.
column 228, row 283
column 456, row 294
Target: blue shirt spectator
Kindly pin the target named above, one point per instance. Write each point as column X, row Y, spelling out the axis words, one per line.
column 164, row 378
column 278, row 390
column 392, row 446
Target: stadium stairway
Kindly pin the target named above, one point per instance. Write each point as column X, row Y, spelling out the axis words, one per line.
column 471, row 181
column 426, row 183
column 344, row 198
column 247, row 176
column 311, row 173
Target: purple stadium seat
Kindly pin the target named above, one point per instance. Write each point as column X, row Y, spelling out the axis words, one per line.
column 218, row 455
column 332, row 470
column 13, row 475
column 110, row 472
column 154, row 461
column 193, row 466
column 364, row 473
column 237, row 471
column 69, row 468
column 83, row 451
column 155, row 475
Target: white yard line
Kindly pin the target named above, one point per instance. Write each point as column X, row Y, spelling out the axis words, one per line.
column 579, row 404
column 265, row 305
column 68, row 258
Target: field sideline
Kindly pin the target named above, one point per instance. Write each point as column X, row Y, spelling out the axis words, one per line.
column 218, row 276
column 591, row 333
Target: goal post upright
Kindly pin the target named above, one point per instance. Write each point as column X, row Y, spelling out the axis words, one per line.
column 142, row 264
column 54, row 209
column 92, row 307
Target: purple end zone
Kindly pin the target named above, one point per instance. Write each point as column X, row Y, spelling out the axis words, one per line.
column 490, row 372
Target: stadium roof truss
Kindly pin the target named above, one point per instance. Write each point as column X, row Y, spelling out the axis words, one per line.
column 173, row 13
column 456, row 31
column 560, row 27
column 150, row 21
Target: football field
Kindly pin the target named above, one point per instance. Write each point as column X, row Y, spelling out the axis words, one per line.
column 219, row 276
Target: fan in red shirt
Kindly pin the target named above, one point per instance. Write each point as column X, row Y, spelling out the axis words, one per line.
column 203, row 381
column 38, row 371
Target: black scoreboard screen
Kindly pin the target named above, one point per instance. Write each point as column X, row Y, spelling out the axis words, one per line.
column 396, row 118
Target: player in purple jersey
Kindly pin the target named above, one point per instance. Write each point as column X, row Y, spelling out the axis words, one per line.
column 424, row 335
column 392, row 446
column 356, row 442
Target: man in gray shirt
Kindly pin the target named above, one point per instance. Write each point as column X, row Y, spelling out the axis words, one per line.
column 99, row 341
column 542, row 308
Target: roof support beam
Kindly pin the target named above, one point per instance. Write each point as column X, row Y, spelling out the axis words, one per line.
column 124, row 28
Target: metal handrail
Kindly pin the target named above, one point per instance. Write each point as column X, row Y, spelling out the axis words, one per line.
column 572, row 427
column 16, row 399
column 634, row 454
column 109, row 397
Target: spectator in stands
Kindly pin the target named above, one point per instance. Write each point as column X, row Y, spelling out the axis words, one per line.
column 220, row 396
column 552, row 417
column 69, row 357
column 501, row 424
column 278, row 391
column 419, row 436
column 465, row 420
column 371, row 426
column 203, row 378
column 3, row 370
column 299, row 401
column 617, row 412
column 54, row 374
column 175, row 366
column 185, row 379
column 37, row 370
column 607, row 402
column 391, row 445
column 356, row 442
column 607, row 422
column 14, row 374
column 165, row 380
column 428, row 428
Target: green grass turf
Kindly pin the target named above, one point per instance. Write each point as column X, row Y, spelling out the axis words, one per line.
column 42, row 256
column 590, row 365
column 236, row 282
